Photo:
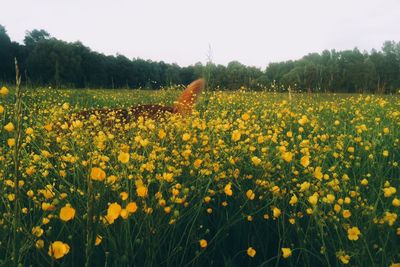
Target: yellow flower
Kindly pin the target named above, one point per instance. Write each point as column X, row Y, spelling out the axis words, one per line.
column 318, row 173
column 337, row 208
column 47, row 206
column 286, row 252
column 245, row 116
column 236, row 135
column 124, row 214
column 99, row 238
column 228, row 189
column 113, row 211
column 313, row 199
column 303, row 120
column 123, row 157
column 251, row 252
column 353, row 233
column 67, row 213
column 39, row 244
column 305, row 161
column 112, row 179
column 186, row 137
column 48, row 127
column 131, row 207
column 287, row 156
column 396, row 202
column 77, row 124
column 250, row 194
column 58, row 249
column 1, row 109
column 346, row 214
column 345, row 259
column 388, row 191
column 390, row 217
column 197, row 163
column 304, row 186
column 276, row 212
column 364, row 182
column 9, row 127
column 385, row 153
column 97, row 174
column 37, row 231
column 293, row 200
column 29, row 131
column 256, row 160
column 168, row 176
column 65, row 106
column 386, row 130
column 11, row 197
column 124, row 195
column 141, row 191
column 162, row 134
column 4, row 91
column 329, row 198
column 203, row 243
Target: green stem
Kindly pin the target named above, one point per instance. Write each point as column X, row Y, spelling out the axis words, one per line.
column 17, row 136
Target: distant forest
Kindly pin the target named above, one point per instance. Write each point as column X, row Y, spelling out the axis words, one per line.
column 47, row 61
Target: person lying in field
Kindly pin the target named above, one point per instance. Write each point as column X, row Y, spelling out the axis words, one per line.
column 183, row 106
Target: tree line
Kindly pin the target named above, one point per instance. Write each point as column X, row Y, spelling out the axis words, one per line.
column 47, row 61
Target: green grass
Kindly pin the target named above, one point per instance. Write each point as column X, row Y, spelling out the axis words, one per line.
column 177, row 213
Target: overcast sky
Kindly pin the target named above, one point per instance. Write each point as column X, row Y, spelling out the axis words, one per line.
column 254, row 32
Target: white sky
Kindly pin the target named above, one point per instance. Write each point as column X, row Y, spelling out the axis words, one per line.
column 254, row 32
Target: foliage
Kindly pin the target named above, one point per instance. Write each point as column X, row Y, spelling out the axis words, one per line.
column 251, row 179
column 46, row 61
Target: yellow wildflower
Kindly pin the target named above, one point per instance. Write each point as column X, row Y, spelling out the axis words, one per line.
column 276, row 212
column 228, row 189
column 305, row 161
column 141, row 191
column 131, row 207
column 123, row 157
column 113, row 211
column 97, row 174
column 4, row 91
column 313, row 199
column 203, row 243
column 236, row 135
column 287, row 156
column 256, row 160
column 251, row 252
column 186, row 137
column 346, row 214
column 250, row 194
column 286, row 252
column 67, row 213
column 9, row 127
column 99, row 238
column 353, row 233
column 293, row 200
column 58, row 249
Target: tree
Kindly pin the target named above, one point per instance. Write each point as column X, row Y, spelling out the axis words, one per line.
column 35, row 36
column 6, row 56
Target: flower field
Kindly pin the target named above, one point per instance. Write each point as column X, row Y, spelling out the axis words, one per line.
column 251, row 179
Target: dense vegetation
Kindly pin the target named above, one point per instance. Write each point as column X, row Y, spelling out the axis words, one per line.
column 46, row 61
column 251, row 179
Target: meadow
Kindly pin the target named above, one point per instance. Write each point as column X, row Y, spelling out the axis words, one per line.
column 250, row 179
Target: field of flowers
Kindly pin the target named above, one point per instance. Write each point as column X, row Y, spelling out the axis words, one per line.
column 251, row 179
